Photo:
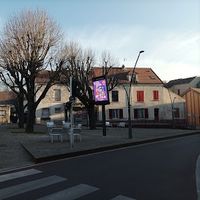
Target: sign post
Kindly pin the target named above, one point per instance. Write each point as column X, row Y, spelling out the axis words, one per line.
column 100, row 88
column 71, row 99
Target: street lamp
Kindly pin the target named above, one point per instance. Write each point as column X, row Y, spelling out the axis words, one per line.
column 129, row 98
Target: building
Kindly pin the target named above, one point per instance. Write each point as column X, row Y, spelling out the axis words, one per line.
column 52, row 107
column 192, row 97
column 150, row 100
column 7, row 101
column 179, row 86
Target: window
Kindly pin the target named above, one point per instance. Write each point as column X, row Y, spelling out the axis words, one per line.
column 155, row 95
column 141, row 113
column 57, row 94
column 115, row 96
column 140, row 96
column 2, row 113
column 58, row 110
column 115, row 113
column 45, row 113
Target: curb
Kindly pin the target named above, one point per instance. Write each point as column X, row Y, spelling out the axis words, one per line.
column 105, row 148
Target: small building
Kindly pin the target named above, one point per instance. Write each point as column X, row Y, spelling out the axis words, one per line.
column 150, row 101
column 7, row 101
column 180, row 86
column 192, row 98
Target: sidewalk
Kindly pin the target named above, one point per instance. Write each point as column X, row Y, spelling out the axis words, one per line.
column 19, row 149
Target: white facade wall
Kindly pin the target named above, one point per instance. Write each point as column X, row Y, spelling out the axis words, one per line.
column 164, row 103
column 166, row 100
column 50, row 102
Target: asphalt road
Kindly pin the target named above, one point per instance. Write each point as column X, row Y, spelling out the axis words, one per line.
column 158, row 171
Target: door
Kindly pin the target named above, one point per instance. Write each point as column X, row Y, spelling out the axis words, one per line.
column 156, row 114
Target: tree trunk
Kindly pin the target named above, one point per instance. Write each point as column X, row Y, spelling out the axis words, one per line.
column 92, row 117
column 30, row 118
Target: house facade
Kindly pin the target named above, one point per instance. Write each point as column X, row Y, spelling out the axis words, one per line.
column 192, row 97
column 7, row 101
column 150, row 100
column 52, row 107
column 180, row 86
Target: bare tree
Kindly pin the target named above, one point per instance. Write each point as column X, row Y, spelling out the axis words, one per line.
column 28, row 46
column 16, row 85
column 80, row 65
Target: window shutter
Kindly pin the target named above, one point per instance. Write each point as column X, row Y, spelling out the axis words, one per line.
column 155, row 95
column 140, row 96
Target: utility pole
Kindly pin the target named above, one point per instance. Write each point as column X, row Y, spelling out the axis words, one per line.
column 104, row 107
column 71, row 99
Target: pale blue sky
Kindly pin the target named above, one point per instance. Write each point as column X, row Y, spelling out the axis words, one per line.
column 168, row 31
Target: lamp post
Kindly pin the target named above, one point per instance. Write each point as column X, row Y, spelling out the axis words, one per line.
column 129, row 98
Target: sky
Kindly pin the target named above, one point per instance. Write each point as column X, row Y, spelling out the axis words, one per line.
column 167, row 31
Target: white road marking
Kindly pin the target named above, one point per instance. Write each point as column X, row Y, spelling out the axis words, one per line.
column 121, row 197
column 71, row 193
column 14, row 175
column 29, row 186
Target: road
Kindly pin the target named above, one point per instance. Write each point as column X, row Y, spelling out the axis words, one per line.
column 157, row 171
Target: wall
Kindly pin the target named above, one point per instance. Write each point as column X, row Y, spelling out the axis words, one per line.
column 192, row 98
column 167, row 100
column 164, row 104
column 49, row 102
column 5, row 114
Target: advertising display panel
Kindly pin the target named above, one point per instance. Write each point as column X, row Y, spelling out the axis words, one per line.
column 100, row 90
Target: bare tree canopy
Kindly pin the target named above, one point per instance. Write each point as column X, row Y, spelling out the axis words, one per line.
column 29, row 44
column 80, row 64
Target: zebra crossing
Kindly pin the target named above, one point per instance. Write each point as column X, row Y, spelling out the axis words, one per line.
column 70, row 193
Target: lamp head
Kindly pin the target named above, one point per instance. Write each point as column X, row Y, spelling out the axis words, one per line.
column 142, row 51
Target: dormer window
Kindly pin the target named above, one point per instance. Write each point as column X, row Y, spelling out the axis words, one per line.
column 135, row 78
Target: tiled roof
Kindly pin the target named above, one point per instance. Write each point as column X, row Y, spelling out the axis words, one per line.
column 144, row 75
column 42, row 77
column 6, row 97
column 179, row 81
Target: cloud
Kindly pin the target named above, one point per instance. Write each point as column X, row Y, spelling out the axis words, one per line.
column 176, row 56
column 170, row 53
